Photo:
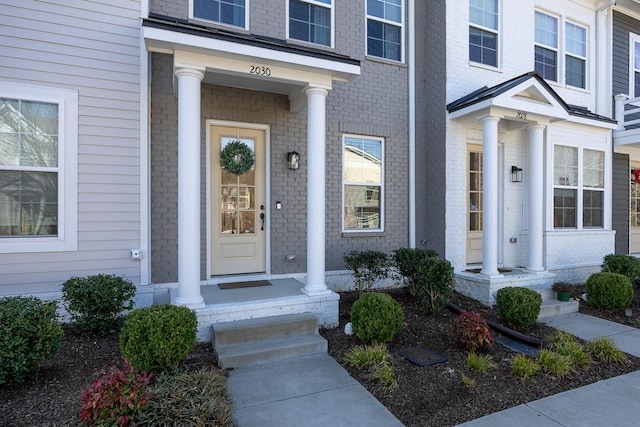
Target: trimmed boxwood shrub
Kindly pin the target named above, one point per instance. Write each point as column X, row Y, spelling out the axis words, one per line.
column 158, row 337
column 96, row 303
column 623, row 264
column 436, row 282
column 29, row 334
column 376, row 317
column 406, row 261
column 518, row 306
column 368, row 268
column 609, row 290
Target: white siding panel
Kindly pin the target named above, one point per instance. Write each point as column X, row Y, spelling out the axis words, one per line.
column 92, row 47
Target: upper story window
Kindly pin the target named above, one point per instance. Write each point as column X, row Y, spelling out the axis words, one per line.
column 549, row 51
column 38, row 150
column 385, row 29
column 578, row 186
column 229, row 12
column 575, row 55
column 311, row 21
column 546, row 46
column 362, row 177
column 483, row 32
column 634, row 57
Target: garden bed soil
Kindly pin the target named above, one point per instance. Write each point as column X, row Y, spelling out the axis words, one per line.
column 431, row 395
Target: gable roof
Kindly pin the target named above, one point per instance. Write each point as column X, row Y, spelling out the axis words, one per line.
column 530, row 88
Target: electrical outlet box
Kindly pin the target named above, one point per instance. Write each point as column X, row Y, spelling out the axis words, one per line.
column 136, row 254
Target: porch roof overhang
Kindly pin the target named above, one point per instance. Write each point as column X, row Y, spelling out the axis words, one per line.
column 525, row 99
column 226, row 57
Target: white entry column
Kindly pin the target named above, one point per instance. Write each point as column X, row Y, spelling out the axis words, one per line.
column 316, row 145
column 536, row 197
column 189, row 81
column 490, row 195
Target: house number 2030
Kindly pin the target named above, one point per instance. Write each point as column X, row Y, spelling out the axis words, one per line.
column 259, row 70
column 522, row 115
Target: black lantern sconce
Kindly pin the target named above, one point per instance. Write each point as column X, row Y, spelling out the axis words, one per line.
column 293, row 160
column 516, row 174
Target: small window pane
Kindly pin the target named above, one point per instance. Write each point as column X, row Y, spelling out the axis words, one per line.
column 483, row 47
column 309, row 23
column 575, row 72
column 231, row 12
column 28, row 203
column 546, row 63
column 384, row 40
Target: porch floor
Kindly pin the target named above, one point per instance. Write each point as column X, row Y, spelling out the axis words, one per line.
column 280, row 288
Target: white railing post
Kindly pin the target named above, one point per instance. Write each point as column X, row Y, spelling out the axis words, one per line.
column 620, row 100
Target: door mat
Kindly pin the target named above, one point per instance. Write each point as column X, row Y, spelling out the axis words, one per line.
column 240, row 285
column 519, row 346
column 500, row 270
column 421, row 356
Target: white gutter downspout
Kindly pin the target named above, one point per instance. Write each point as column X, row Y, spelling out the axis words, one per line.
column 602, row 65
column 145, row 111
column 412, row 123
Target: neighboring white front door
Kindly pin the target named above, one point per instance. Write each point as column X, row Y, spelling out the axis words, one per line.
column 238, row 206
column 474, row 204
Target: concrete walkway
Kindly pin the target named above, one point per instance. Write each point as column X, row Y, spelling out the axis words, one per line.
column 317, row 391
column 608, row 403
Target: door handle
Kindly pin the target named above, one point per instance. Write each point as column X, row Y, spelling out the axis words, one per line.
column 262, row 221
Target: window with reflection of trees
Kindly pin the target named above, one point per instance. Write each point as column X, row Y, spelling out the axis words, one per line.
column 362, row 178
column 28, row 168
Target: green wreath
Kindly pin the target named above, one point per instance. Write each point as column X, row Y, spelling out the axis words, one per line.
column 237, row 157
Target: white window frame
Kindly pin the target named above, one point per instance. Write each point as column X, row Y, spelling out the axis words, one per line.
column 67, row 237
column 389, row 22
column 495, row 31
column 579, row 187
column 381, row 185
column 330, row 6
column 575, row 55
column 197, row 18
column 633, row 40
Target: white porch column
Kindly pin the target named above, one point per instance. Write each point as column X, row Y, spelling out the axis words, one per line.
column 536, row 199
column 490, row 195
column 189, row 81
column 316, row 144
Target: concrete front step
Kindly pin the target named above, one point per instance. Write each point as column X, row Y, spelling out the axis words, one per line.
column 254, row 341
column 553, row 307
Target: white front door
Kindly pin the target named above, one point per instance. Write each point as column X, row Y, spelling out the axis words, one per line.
column 474, row 204
column 238, row 203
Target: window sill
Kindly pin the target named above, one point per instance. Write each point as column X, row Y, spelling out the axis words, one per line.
column 350, row 234
column 36, row 244
column 385, row 61
column 486, row 67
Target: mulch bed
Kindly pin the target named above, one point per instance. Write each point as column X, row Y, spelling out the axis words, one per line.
column 430, row 395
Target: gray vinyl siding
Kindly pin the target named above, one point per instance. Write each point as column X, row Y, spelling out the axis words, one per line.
column 430, row 125
column 620, row 210
column 622, row 26
column 93, row 48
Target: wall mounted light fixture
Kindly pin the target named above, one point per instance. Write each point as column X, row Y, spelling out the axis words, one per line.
column 516, row 174
column 293, row 160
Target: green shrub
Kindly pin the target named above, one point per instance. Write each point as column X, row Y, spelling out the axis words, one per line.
column 115, row 397
column 567, row 345
column 605, row 350
column 471, row 330
column 406, row 262
column 362, row 356
column 609, row 290
column 376, row 317
column 96, row 303
column 368, row 267
column 196, row 398
column 518, row 306
column 523, row 367
column 159, row 336
column 29, row 334
column 480, row 363
column 436, row 283
column 626, row 265
column 554, row 363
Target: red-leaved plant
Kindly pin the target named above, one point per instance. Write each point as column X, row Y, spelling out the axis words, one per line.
column 116, row 396
column 471, row 330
